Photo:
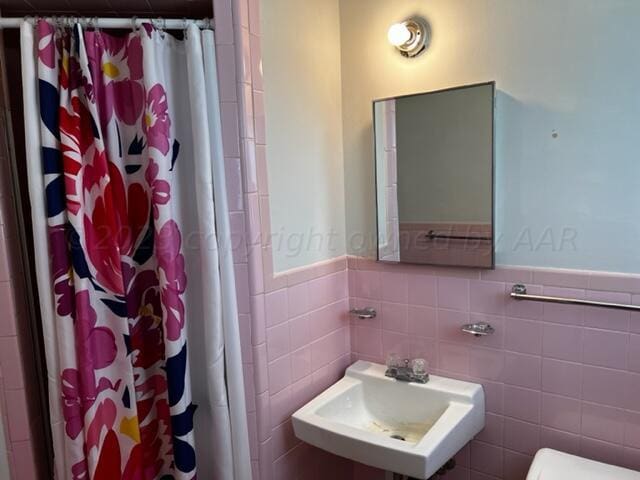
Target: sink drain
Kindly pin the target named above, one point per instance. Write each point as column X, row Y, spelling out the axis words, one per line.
column 398, row 437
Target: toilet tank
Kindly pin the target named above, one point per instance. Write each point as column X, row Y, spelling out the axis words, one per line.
column 551, row 464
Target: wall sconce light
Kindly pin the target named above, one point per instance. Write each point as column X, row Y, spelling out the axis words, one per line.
column 410, row 37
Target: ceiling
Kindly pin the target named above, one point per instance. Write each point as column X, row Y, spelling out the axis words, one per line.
column 109, row 8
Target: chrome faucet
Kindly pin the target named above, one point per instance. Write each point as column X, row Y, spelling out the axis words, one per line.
column 407, row 370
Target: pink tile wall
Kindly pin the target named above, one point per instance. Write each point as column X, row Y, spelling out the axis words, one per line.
column 559, row 376
column 307, row 349
column 18, row 404
column 228, row 73
column 295, row 331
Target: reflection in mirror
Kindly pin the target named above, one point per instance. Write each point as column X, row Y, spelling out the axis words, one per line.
column 434, row 177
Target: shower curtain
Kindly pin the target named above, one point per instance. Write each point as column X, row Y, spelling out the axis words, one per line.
column 132, row 246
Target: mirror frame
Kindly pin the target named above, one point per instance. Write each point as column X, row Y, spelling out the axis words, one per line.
column 492, row 84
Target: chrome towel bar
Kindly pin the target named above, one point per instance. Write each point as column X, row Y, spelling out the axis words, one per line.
column 364, row 313
column 432, row 235
column 519, row 292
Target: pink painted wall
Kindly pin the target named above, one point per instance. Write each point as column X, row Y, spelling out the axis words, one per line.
column 559, row 376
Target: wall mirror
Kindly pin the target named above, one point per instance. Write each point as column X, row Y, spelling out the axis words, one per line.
column 434, row 177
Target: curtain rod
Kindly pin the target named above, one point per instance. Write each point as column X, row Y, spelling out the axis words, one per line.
column 107, row 22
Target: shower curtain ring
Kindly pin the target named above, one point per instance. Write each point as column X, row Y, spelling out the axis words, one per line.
column 157, row 24
column 163, row 27
column 134, row 22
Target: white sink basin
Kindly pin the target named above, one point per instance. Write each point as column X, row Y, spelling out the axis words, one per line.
column 358, row 416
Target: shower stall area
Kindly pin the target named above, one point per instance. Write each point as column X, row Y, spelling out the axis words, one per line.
column 122, row 255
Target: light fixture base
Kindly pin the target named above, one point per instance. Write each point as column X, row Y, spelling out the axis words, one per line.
column 419, row 40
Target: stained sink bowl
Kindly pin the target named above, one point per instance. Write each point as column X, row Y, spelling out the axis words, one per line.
column 407, row 428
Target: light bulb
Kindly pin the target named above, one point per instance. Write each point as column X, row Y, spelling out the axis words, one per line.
column 398, row 34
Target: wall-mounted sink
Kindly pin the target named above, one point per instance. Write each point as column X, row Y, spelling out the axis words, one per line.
column 407, row 428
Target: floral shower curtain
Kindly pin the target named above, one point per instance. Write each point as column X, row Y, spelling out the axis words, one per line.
column 136, row 289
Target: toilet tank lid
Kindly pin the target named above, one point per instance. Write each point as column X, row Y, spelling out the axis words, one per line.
column 551, row 464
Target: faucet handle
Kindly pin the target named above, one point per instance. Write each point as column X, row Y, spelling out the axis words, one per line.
column 419, row 366
column 394, row 360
